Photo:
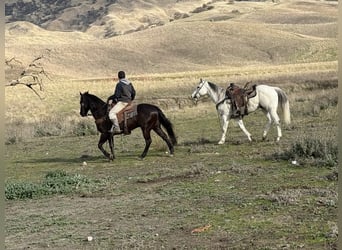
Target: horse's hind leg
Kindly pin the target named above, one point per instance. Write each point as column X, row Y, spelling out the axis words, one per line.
column 103, row 139
column 148, row 141
column 267, row 126
column 161, row 133
column 276, row 121
column 272, row 116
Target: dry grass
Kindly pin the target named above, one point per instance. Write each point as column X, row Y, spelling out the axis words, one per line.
column 58, row 114
column 62, row 97
column 156, row 203
column 201, row 42
column 166, row 62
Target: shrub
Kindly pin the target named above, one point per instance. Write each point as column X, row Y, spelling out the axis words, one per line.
column 59, row 182
column 20, row 190
column 55, row 182
column 84, row 128
column 47, row 128
column 12, row 140
column 316, row 151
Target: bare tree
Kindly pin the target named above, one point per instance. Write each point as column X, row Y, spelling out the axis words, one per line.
column 32, row 76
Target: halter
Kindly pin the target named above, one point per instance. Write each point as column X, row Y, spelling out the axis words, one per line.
column 199, row 87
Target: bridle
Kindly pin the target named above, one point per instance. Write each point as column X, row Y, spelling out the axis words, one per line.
column 199, row 87
column 93, row 112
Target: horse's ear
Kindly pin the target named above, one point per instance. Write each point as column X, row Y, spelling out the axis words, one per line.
column 201, row 80
column 80, row 93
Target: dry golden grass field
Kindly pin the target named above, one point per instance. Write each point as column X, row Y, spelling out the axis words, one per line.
column 60, row 190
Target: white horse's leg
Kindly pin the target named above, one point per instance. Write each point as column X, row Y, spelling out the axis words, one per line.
column 243, row 128
column 267, row 126
column 224, row 126
column 276, row 121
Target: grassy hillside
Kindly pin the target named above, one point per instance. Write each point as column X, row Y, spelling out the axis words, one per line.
column 243, row 33
column 63, row 194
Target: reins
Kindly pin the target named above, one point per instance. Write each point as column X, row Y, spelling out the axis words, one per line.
column 220, row 102
column 96, row 112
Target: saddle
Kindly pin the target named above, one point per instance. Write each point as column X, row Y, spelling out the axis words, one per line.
column 125, row 114
column 250, row 91
column 240, row 97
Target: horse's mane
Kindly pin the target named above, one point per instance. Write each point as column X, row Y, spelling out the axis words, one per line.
column 214, row 87
column 94, row 98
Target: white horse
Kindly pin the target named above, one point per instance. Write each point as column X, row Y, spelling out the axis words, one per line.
column 267, row 98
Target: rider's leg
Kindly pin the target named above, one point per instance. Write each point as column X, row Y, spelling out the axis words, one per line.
column 113, row 116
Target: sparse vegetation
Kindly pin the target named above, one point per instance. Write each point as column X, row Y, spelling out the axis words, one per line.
column 313, row 151
column 62, row 194
column 55, row 182
column 204, row 7
column 43, row 12
column 239, row 177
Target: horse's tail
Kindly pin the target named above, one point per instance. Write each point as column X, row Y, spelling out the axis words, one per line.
column 168, row 126
column 284, row 105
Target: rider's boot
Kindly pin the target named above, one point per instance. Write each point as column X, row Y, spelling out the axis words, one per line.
column 115, row 127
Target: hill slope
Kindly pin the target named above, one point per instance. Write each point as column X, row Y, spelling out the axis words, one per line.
column 244, row 33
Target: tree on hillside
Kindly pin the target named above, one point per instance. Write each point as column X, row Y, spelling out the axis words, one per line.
column 30, row 76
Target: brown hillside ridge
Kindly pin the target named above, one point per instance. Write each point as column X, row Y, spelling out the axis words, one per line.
column 146, row 37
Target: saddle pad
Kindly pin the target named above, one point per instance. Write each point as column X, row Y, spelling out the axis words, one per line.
column 127, row 112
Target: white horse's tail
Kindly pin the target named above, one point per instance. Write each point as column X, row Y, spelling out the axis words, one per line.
column 284, row 104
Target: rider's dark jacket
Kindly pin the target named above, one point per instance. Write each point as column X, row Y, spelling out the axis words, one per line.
column 124, row 91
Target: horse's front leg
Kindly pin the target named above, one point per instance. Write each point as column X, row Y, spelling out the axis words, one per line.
column 224, row 126
column 243, row 128
column 103, row 138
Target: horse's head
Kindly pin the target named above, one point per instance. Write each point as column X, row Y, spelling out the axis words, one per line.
column 84, row 103
column 200, row 90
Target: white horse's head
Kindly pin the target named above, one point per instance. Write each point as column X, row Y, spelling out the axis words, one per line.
column 200, row 90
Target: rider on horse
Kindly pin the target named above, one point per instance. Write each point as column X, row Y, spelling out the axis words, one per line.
column 124, row 93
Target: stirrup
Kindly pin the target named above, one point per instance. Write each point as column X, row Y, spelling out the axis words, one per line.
column 111, row 129
column 117, row 130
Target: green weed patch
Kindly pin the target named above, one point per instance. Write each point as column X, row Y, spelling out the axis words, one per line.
column 55, row 182
column 314, row 151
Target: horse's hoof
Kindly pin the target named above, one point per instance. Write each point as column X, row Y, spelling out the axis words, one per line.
column 220, row 142
column 171, row 155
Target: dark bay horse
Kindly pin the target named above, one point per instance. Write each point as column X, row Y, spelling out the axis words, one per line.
column 149, row 117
